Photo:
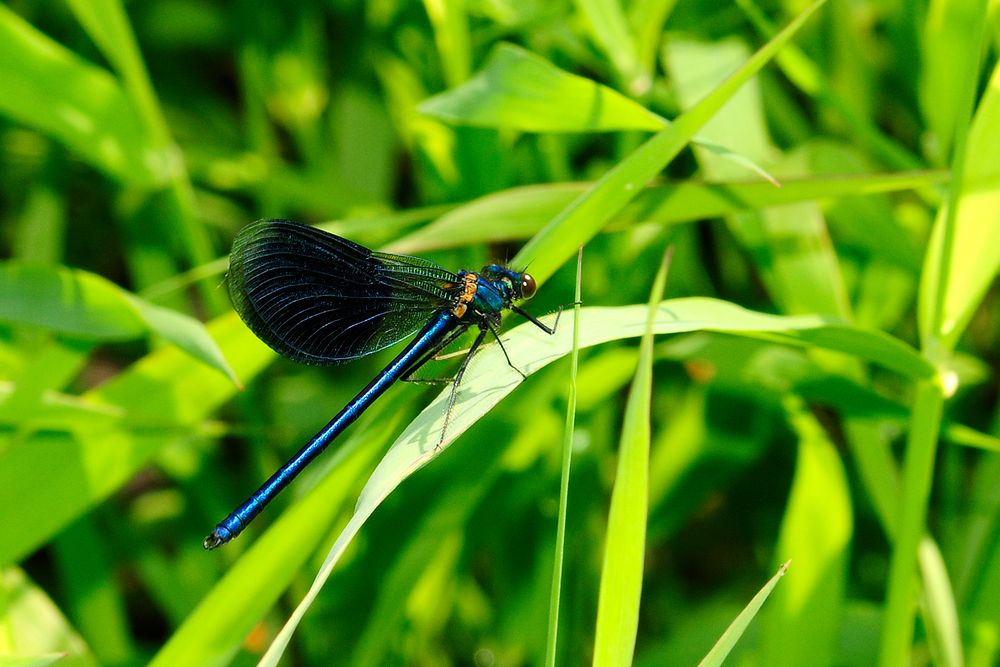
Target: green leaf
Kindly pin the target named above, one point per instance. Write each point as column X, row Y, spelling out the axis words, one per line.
column 32, row 661
column 625, row 539
column 39, row 629
column 790, row 244
column 959, row 280
column 67, row 301
column 214, row 630
column 613, row 35
column 84, row 305
column 728, row 640
column 54, row 91
column 489, row 379
column 939, row 606
column 106, row 23
column 591, row 211
column 947, row 50
column 555, row 589
column 519, row 90
column 157, row 400
column 816, row 531
column 451, row 34
column 520, row 212
column 186, row 333
column 910, row 522
column 696, row 68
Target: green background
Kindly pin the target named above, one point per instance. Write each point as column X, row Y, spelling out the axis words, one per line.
column 827, row 396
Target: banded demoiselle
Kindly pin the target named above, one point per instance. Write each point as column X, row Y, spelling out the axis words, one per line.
column 320, row 299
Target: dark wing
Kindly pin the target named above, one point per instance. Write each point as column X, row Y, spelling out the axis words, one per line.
column 320, row 299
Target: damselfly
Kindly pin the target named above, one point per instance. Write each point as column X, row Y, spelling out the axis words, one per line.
column 320, row 299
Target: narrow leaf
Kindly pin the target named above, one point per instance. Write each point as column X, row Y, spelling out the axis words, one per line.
column 960, row 280
column 520, row 212
column 591, row 211
column 625, row 540
column 816, row 532
column 489, row 379
column 555, row 591
column 728, row 640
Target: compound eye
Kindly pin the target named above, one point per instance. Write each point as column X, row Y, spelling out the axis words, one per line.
column 528, row 286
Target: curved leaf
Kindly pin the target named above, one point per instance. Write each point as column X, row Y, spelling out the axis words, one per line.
column 52, row 90
column 84, row 305
column 519, row 90
column 489, row 379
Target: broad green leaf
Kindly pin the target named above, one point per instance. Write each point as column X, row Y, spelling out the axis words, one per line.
column 519, row 90
column 84, row 305
column 489, row 379
column 35, row 626
column 185, row 332
column 625, row 539
column 591, row 211
column 953, row 285
column 53, row 477
column 728, row 640
column 54, row 91
column 816, row 532
column 519, row 213
column 67, row 301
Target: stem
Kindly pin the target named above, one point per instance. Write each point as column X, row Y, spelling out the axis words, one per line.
column 553, row 634
column 918, row 469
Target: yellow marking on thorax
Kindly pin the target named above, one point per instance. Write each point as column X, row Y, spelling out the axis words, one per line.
column 465, row 298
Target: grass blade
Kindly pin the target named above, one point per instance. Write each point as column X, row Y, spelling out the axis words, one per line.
column 625, row 541
column 964, row 255
column 567, row 457
column 591, row 211
column 736, row 629
column 519, row 213
column 489, row 379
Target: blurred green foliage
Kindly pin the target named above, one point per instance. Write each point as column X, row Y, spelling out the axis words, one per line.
column 850, row 425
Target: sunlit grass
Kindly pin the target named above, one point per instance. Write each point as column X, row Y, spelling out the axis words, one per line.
column 816, row 342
